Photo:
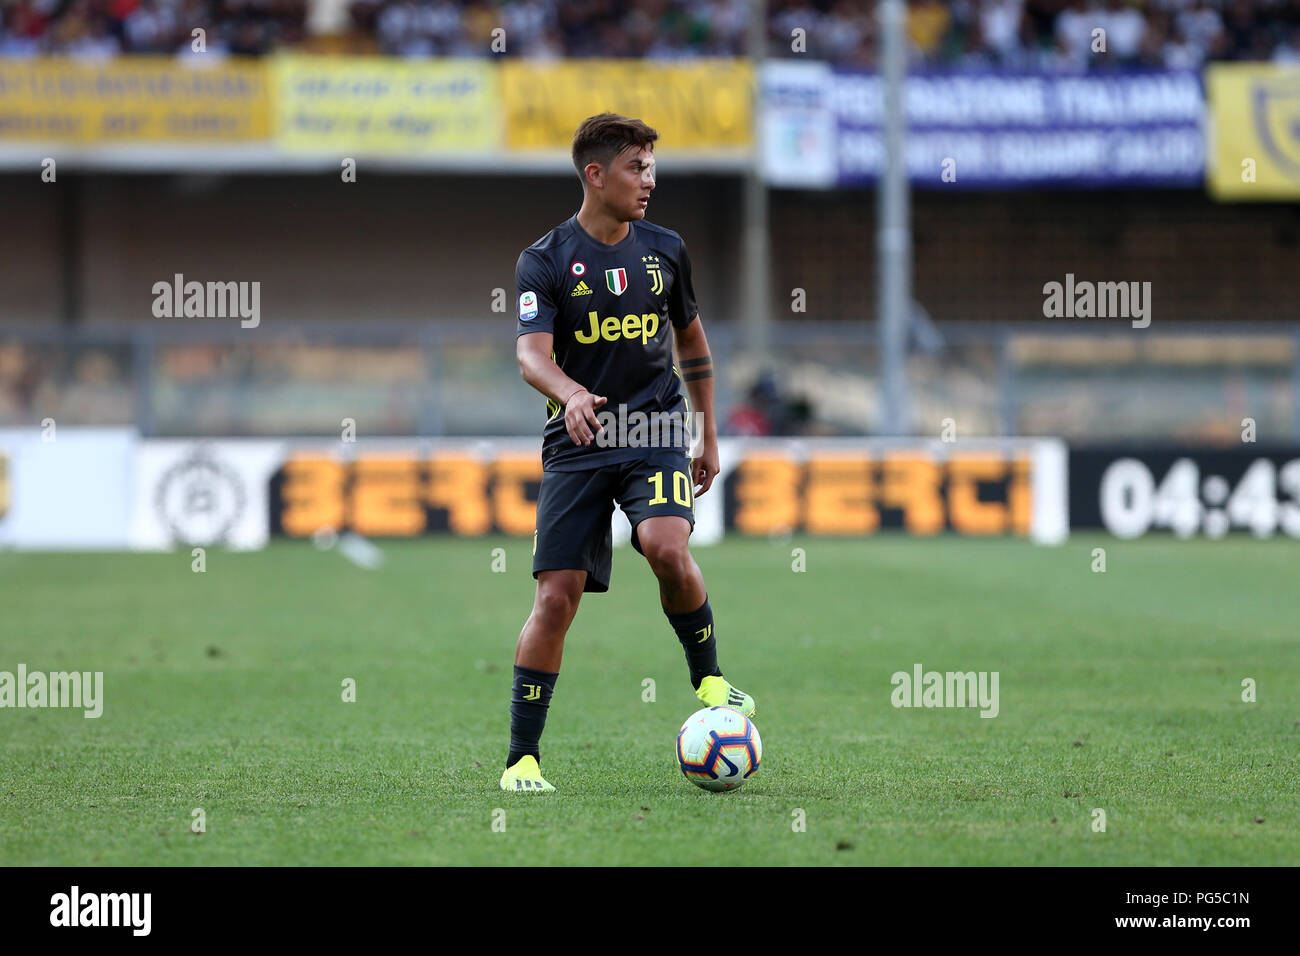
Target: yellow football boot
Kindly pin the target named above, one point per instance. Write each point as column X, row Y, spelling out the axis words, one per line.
column 716, row 692
column 525, row 777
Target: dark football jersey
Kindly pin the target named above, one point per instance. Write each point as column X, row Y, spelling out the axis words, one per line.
column 609, row 308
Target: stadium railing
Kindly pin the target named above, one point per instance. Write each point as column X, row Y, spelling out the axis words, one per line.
column 1077, row 381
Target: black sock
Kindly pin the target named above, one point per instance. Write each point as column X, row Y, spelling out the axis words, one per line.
column 695, row 631
column 529, row 698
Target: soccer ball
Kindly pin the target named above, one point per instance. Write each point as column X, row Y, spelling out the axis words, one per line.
column 718, row 748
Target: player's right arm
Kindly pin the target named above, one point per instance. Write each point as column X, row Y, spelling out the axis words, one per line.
column 540, row 371
column 535, row 338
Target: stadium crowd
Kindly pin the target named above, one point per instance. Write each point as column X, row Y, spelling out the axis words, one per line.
column 102, row 28
column 1037, row 34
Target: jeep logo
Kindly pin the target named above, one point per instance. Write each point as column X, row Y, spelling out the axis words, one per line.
column 612, row 328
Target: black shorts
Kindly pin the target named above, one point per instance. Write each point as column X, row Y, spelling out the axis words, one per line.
column 574, row 510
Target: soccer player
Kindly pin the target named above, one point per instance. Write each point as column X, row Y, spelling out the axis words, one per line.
column 597, row 297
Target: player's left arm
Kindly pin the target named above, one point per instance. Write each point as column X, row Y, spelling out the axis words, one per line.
column 696, row 365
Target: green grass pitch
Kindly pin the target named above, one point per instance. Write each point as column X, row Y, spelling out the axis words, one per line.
column 1119, row 691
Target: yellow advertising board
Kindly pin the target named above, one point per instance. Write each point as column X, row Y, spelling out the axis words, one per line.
column 1254, row 130
column 133, row 100
column 370, row 104
column 774, row 490
column 379, row 105
column 704, row 104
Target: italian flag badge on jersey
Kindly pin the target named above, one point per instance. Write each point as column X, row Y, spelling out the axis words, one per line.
column 616, row 279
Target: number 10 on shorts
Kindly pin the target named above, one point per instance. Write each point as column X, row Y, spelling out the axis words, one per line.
column 681, row 489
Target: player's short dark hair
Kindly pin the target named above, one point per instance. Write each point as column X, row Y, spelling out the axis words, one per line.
column 600, row 138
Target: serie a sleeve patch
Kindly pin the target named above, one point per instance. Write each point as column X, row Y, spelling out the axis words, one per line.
column 527, row 306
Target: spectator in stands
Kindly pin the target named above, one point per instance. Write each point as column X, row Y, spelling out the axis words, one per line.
column 997, row 27
column 750, row 417
column 1201, row 26
column 1167, row 44
column 83, row 32
column 928, row 23
column 784, row 18
column 1074, row 33
column 1248, row 37
column 765, row 411
column 21, row 26
column 151, row 26
column 844, row 27
column 1125, row 31
column 1288, row 51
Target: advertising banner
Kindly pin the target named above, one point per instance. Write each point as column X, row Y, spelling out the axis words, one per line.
column 1254, row 131
column 850, row 487
column 1001, row 130
column 65, row 487
column 133, row 100
column 797, row 126
column 390, row 106
column 203, row 493
column 106, row 488
column 1191, row 492
column 703, row 104
column 775, row 486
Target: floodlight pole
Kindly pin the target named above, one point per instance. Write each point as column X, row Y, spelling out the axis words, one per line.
column 757, row 243
column 893, row 231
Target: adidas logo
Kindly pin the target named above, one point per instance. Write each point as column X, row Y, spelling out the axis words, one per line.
column 580, row 289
